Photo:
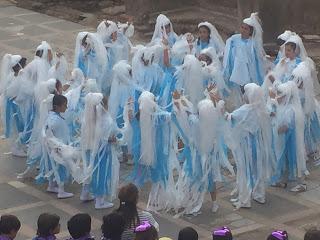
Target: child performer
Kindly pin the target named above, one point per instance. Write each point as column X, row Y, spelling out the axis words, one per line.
column 289, row 139
column 101, row 165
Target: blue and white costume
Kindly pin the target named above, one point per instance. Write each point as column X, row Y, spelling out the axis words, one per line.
column 118, row 48
column 215, row 41
column 91, row 57
column 244, row 60
column 252, row 136
column 289, row 135
column 100, row 162
column 302, row 76
column 160, row 33
column 284, row 37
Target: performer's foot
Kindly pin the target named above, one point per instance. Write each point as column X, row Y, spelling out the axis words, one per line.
column 86, row 196
column 279, row 185
column 302, row 187
column 238, row 205
column 233, row 200
column 260, row 200
column 52, row 189
column 103, row 205
column 63, row 195
column 18, row 152
column 215, row 207
column 24, row 174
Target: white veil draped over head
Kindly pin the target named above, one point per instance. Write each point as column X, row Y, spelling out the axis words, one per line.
column 286, row 35
column 190, row 78
column 60, row 69
column 159, row 29
column 8, row 62
column 89, row 133
column 120, row 87
column 214, row 37
column 255, row 22
column 147, row 107
column 291, row 100
column 300, row 49
column 302, row 76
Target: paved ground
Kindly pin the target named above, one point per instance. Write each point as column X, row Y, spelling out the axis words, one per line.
column 20, row 32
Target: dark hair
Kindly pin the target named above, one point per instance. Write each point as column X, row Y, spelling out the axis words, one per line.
column 283, row 233
column 84, row 40
column 128, row 196
column 209, row 31
column 150, row 234
column 188, row 233
column 280, row 41
column 113, row 226
column 21, row 64
column 58, row 82
column 46, row 224
column 292, row 45
column 58, row 100
column 39, row 53
column 312, row 234
column 79, row 225
column 9, row 223
column 251, row 30
column 227, row 234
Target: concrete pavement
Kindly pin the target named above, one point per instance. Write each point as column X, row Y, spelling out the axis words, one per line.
column 20, row 32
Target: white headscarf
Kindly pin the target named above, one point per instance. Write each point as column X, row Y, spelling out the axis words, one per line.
column 147, row 107
column 255, row 22
column 291, row 100
column 300, row 49
column 159, row 30
column 214, row 37
column 8, row 62
column 190, row 78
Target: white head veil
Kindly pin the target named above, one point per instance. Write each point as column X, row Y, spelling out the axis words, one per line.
column 159, row 30
column 147, row 107
column 290, row 93
column 255, row 22
column 8, row 62
column 300, row 49
column 214, row 36
column 190, row 78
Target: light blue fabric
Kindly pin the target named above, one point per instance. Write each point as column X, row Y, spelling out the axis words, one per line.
column 13, row 118
column 242, row 64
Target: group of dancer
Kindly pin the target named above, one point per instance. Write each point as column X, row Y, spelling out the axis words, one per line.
column 185, row 113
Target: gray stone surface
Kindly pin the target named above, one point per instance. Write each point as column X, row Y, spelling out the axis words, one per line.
column 20, row 32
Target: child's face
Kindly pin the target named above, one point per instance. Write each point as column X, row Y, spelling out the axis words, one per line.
column 64, row 107
column 56, row 230
column 203, row 34
column 13, row 234
column 280, row 99
column 114, row 36
column 290, row 52
column 245, row 31
column 168, row 28
column 59, row 88
column 50, row 57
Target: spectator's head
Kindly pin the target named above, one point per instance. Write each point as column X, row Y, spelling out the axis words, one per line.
column 278, row 235
column 312, row 234
column 113, row 226
column 128, row 197
column 48, row 225
column 222, row 233
column 79, row 225
column 188, row 233
column 59, row 103
column 146, row 231
column 9, row 226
